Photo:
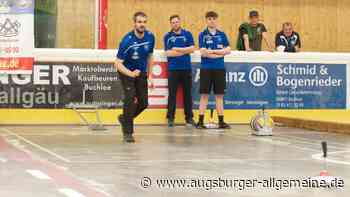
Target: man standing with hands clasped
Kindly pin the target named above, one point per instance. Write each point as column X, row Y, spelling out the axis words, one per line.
column 133, row 63
column 213, row 45
column 179, row 44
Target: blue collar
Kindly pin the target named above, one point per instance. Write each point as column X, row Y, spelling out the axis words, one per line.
column 144, row 35
column 174, row 33
column 206, row 31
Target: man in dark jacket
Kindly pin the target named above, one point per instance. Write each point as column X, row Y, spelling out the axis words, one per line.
column 287, row 40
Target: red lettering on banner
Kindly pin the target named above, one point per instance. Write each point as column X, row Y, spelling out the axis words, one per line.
column 16, row 63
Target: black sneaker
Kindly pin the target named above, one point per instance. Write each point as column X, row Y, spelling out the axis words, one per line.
column 128, row 138
column 170, row 123
column 200, row 125
column 224, row 125
column 190, row 123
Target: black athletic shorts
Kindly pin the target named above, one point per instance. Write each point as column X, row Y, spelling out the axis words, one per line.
column 212, row 78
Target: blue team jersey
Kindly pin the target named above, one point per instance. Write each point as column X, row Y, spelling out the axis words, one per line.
column 213, row 42
column 182, row 40
column 135, row 51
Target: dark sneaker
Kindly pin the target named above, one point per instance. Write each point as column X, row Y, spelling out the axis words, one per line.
column 224, row 125
column 170, row 123
column 200, row 125
column 128, row 138
column 190, row 123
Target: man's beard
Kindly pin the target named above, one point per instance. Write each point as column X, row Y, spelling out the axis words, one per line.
column 140, row 30
column 177, row 29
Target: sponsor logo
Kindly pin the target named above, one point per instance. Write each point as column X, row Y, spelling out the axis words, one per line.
column 9, row 28
column 258, row 76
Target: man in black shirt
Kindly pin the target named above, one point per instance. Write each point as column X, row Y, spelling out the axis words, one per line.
column 287, row 40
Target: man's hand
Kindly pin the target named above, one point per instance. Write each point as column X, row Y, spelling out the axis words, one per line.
column 173, row 53
column 204, row 52
column 184, row 50
column 221, row 52
column 210, row 52
column 297, row 49
column 135, row 73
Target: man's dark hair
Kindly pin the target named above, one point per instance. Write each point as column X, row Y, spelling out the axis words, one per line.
column 174, row 16
column 211, row 14
column 137, row 14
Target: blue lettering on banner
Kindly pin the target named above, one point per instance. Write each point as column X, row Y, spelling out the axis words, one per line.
column 280, row 86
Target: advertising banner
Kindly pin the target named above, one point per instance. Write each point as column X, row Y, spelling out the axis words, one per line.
column 60, row 85
column 16, row 36
column 281, row 86
column 249, row 86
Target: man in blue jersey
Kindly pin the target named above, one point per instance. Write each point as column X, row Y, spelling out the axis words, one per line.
column 134, row 61
column 179, row 44
column 213, row 45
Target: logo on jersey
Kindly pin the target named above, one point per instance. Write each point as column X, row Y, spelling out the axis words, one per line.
column 172, row 39
column 135, row 55
column 259, row 30
column 293, row 42
column 208, row 39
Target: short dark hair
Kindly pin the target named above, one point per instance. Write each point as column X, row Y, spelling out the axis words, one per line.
column 174, row 16
column 211, row 14
column 137, row 14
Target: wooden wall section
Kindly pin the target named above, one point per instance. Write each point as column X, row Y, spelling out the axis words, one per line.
column 324, row 25
column 75, row 23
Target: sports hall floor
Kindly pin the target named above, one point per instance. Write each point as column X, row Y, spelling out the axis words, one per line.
column 72, row 161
